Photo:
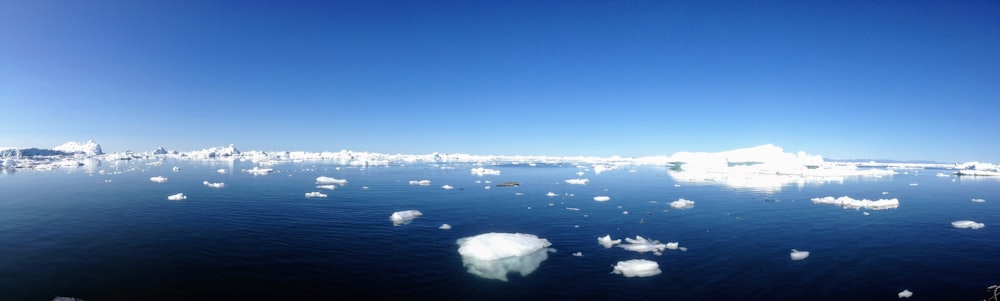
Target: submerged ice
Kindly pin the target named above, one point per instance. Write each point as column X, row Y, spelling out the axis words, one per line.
column 495, row 255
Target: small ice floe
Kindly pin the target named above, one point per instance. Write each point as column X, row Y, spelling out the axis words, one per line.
column 848, row 202
column 221, row 170
column 799, row 255
column 551, row 194
column 214, row 185
column 978, row 200
column 967, row 224
column 327, row 187
column 642, row 245
column 315, row 194
column 885, row 192
column 176, row 169
column 158, row 179
column 677, row 185
column 479, row 171
column 865, row 213
column 579, row 173
column 445, row 227
column 404, row 217
column 607, row 242
column 637, row 268
column 625, row 212
column 447, row 187
column 578, row 254
column 943, row 175
column 914, row 184
column 905, row 294
column 578, row 181
column 257, row 171
column 682, row 204
column 329, row 180
column 421, row 182
column 486, row 187
column 519, row 193
column 494, row 255
column 177, row 197
column 602, row 198
column 572, row 209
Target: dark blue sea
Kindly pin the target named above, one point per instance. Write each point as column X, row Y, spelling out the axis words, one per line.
column 115, row 236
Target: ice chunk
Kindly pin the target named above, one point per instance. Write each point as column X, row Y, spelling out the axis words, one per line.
column 445, row 227
column 572, row 209
column 327, row 187
column 578, row 254
column 257, row 171
column 799, row 255
column 551, row 194
column 158, row 179
column 221, row 170
column 214, row 185
column 905, row 294
column 848, row 202
column 602, row 198
column 578, row 181
column 447, row 187
column 607, row 242
column 967, row 224
column 682, row 204
column 978, row 200
column 177, row 197
column 421, row 182
column 637, row 268
column 642, row 245
column 329, row 180
column 479, row 171
column 494, row 255
column 404, row 217
column 315, row 194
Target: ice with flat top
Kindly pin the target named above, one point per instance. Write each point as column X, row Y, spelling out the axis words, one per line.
column 848, row 202
column 637, row 268
column 158, row 179
column 602, row 198
column 329, row 180
column 905, row 294
column 642, row 245
column 967, row 224
column 495, row 255
column 480, row 171
column 214, row 185
column 315, row 194
column 799, row 255
column 177, row 197
column 404, row 217
column 682, row 204
column 578, row 181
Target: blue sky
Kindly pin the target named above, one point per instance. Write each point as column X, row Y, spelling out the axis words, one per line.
column 844, row 79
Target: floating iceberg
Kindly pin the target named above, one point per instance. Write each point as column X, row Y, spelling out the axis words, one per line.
column 158, row 179
column 607, row 242
column 551, row 194
column 177, row 197
column 447, row 187
column 214, row 185
column 578, row 181
column 257, row 171
column 404, row 217
column 978, row 200
column 327, row 187
column 315, row 194
column 494, row 255
column 479, row 171
column 967, row 224
column 682, row 204
column 221, row 170
column 637, row 268
column 445, row 227
column 799, row 255
column 420, row 182
column 642, row 245
column 329, row 180
column 89, row 148
column 578, row 254
column 905, row 294
column 602, row 198
column 848, row 202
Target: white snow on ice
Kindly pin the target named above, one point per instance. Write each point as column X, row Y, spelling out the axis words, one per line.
column 578, row 181
column 905, row 294
column 963, row 224
column 329, row 180
column 494, row 255
column 637, row 268
column 404, row 217
column 848, row 202
column 214, row 185
column 315, row 194
column 158, row 179
column 642, row 245
column 682, row 204
column 602, row 198
column 177, row 197
column 445, row 227
column 607, row 242
column 480, row 171
column 799, row 255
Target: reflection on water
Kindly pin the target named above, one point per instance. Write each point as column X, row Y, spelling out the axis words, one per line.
column 499, row 268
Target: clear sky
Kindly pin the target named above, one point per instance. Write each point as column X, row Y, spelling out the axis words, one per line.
column 901, row 80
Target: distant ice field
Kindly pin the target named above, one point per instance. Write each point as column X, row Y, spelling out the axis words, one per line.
column 116, row 236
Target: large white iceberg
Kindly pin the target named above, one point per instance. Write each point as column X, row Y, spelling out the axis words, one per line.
column 479, row 171
column 637, row 268
column 89, row 148
column 967, row 224
column 494, row 255
column 848, row 202
column 404, row 217
column 682, row 204
column 329, row 180
column 642, row 245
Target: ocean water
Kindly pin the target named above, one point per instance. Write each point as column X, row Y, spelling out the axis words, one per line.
column 115, row 236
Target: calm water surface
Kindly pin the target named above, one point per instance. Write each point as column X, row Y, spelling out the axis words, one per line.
column 115, row 236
